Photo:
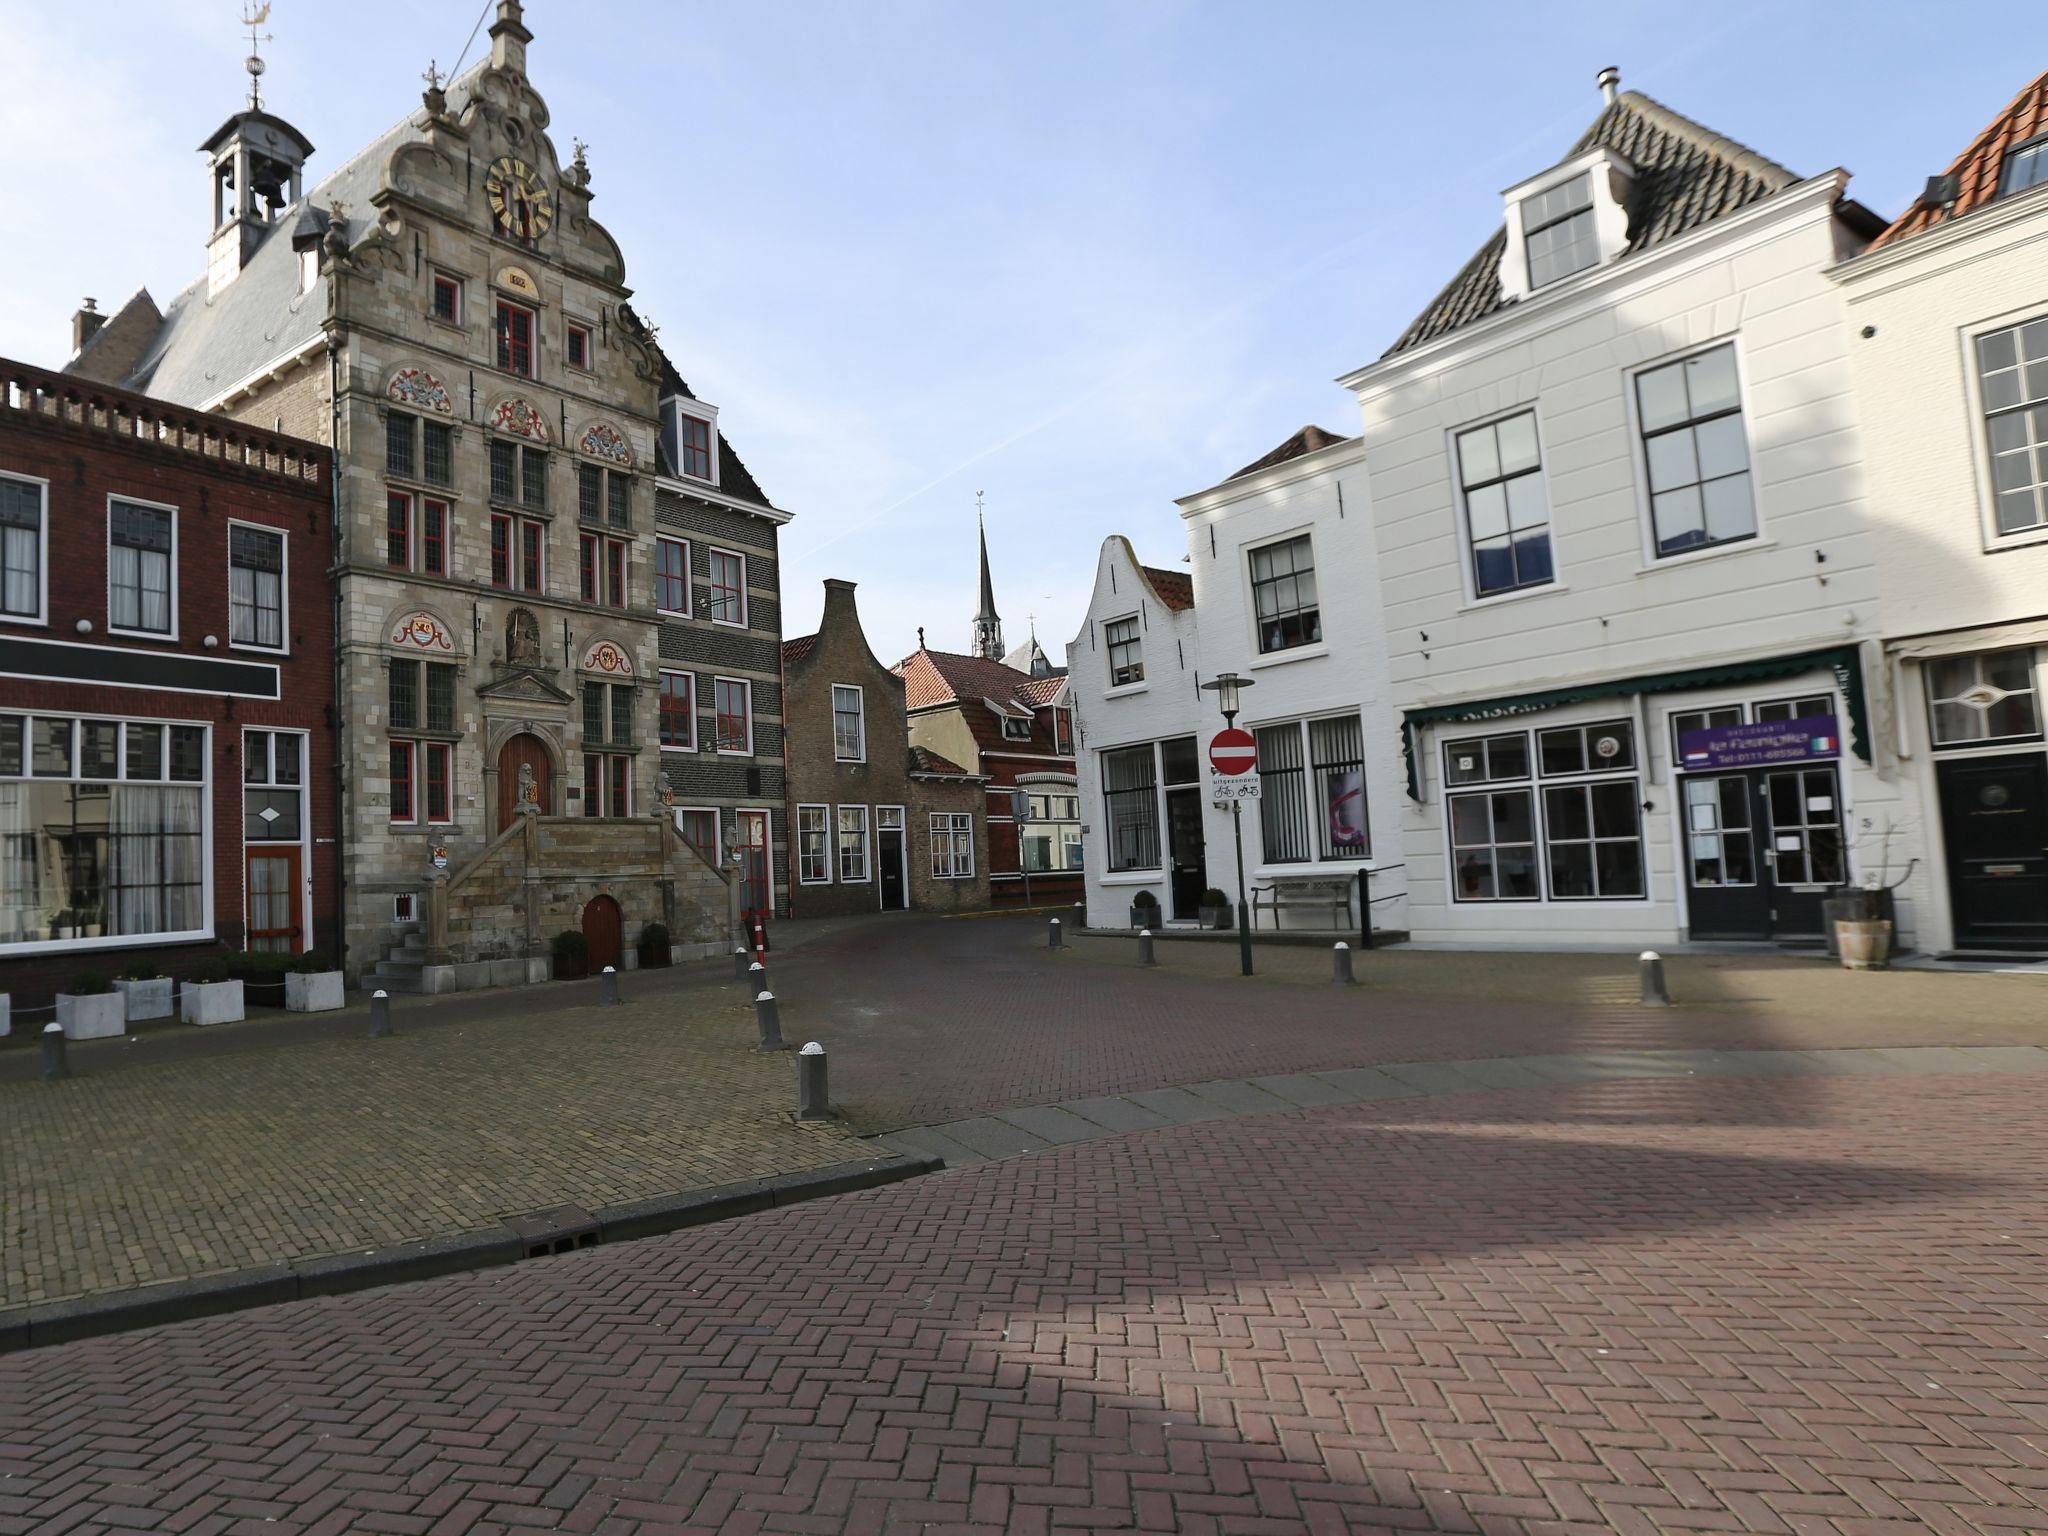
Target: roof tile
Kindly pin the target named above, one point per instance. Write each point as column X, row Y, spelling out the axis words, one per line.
column 1981, row 166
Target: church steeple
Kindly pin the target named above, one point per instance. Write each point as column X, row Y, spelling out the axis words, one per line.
column 988, row 625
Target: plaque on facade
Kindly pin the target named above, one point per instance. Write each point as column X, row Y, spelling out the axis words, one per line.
column 417, row 387
column 609, row 659
column 518, row 416
column 522, row 639
column 440, row 856
column 605, row 441
column 421, row 631
column 515, row 280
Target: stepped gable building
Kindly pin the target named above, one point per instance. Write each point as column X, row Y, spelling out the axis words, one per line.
column 445, row 311
column 167, row 740
column 880, row 825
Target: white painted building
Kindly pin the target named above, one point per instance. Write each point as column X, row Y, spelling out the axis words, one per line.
column 1947, row 315
column 1618, row 500
column 1278, row 555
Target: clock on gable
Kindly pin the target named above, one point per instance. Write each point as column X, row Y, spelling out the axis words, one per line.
column 519, row 198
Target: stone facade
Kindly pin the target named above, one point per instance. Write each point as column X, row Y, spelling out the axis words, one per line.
column 869, row 781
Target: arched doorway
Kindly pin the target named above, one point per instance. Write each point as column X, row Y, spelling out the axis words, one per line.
column 601, row 931
column 528, row 751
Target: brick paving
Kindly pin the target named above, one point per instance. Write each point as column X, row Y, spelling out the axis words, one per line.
column 192, row 1166
column 1650, row 1305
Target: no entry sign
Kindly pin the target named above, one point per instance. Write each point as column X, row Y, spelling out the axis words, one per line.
column 1233, row 752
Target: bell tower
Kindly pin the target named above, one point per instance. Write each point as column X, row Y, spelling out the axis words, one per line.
column 988, row 625
column 256, row 163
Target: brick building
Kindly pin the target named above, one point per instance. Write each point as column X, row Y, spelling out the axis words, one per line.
column 167, row 722
column 879, row 824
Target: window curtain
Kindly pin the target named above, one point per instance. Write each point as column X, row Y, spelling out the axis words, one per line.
column 1283, row 808
column 157, row 874
column 1133, row 808
column 20, row 903
column 18, row 558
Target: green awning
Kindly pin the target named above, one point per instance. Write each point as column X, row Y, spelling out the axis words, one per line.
column 1840, row 660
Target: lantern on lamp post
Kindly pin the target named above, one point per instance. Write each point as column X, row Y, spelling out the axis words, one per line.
column 1228, row 688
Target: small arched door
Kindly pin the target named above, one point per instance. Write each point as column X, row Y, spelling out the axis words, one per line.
column 601, row 932
column 523, row 750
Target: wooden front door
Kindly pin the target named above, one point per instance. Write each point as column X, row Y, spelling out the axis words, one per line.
column 1994, row 824
column 757, row 895
column 523, row 750
column 273, row 886
column 601, row 932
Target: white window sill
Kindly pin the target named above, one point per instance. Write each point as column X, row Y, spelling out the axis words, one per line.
column 1125, row 690
column 30, row 620
column 1320, row 869
column 2025, row 539
column 1281, row 658
column 141, row 634
column 1714, row 552
column 1122, row 876
column 106, row 941
column 258, row 650
column 673, row 613
column 668, row 748
column 1518, row 595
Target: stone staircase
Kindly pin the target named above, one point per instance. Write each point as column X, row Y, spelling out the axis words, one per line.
column 399, row 970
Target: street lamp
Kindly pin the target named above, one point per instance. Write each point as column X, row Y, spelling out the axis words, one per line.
column 733, row 857
column 1227, row 686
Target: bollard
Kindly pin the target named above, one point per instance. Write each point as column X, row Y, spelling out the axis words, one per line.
column 1655, row 993
column 1080, row 916
column 757, row 976
column 380, row 1015
column 741, row 959
column 1053, row 938
column 1340, row 965
column 55, row 1063
column 769, row 1018
column 811, row 1100
column 1145, row 956
column 608, row 988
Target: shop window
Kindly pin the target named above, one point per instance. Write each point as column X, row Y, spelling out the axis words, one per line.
column 1487, row 759
column 1608, row 747
column 1806, row 826
column 1493, row 846
column 1594, row 840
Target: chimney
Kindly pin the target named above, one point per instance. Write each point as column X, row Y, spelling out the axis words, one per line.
column 85, row 324
column 509, row 37
column 1609, row 81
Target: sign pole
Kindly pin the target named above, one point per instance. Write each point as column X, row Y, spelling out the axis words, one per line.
column 1244, row 934
column 1233, row 756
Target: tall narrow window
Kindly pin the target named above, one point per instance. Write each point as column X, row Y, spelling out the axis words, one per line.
column 728, row 592
column 504, row 470
column 139, row 569
column 1284, row 595
column 590, row 492
column 437, row 453
column 515, row 339
column 447, row 298
column 579, row 346
column 255, row 587
column 693, row 446
column 2012, row 367
column 1130, row 793
column 952, row 839
column 399, row 458
column 1557, row 227
column 1691, row 417
column 501, row 550
column 672, row 576
column 402, row 781
column 735, row 715
column 614, row 573
column 532, row 574
column 849, row 727
column 1337, row 758
column 533, row 477
column 678, row 722
column 433, row 536
column 21, row 549
column 813, row 846
column 439, row 802
column 1126, row 652
column 398, row 530
column 853, row 844
column 1506, row 513
column 1283, row 795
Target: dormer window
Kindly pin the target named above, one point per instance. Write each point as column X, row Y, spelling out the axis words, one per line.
column 2025, row 167
column 1557, row 227
column 689, row 439
column 1016, row 728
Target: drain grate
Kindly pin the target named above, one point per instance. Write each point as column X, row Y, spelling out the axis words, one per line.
column 559, row 1229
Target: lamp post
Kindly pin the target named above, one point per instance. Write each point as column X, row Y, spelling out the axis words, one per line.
column 733, row 857
column 1227, row 686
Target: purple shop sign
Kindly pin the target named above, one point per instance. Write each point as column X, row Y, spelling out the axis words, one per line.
column 1803, row 740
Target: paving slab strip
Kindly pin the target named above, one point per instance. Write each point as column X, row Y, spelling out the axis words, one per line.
column 1013, row 1132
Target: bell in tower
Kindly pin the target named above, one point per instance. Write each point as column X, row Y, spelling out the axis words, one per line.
column 257, row 164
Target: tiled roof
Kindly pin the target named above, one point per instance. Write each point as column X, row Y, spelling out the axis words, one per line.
column 797, row 649
column 1686, row 176
column 1040, row 691
column 925, row 760
column 733, row 476
column 944, row 677
column 1308, row 440
column 1176, row 589
column 1978, row 168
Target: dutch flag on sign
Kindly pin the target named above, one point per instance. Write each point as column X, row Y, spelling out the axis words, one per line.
column 1698, row 756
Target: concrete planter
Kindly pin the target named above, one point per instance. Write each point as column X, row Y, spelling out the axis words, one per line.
column 654, row 956
column 91, row 1015
column 1213, row 917
column 1145, row 917
column 1865, row 945
column 146, row 999
column 211, row 1002
column 6, row 1015
column 312, row 992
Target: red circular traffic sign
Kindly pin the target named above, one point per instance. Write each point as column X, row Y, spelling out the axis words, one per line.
column 1232, row 752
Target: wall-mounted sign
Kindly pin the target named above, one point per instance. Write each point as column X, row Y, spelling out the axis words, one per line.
column 515, row 280
column 440, row 856
column 1808, row 739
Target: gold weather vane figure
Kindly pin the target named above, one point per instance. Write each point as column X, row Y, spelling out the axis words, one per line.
column 252, row 18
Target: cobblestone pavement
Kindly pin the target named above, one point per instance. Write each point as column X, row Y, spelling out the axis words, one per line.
column 188, row 1167
column 932, row 1020
column 1788, row 1305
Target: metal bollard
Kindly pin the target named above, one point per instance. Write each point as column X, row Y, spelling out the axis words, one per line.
column 742, row 957
column 55, row 1062
column 757, row 976
column 1145, row 956
column 812, row 1103
column 1655, row 993
column 769, row 1018
column 1340, row 965
column 1053, row 936
column 1080, row 916
column 608, row 988
column 380, row 1015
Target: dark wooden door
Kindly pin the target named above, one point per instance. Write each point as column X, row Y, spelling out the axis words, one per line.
column 1994, row 826
column 757, row 894
column 601, row 932
column 1728, row 893
column 522, row 750
column 890, row 869
column 1184, row 847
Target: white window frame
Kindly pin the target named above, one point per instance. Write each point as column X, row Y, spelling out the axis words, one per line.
column 725, row 751
column 696, row 410
column 1639, row 450
column 1980, row 431
column 867, row 846
column 284, row 587
column 107, row 547
column 826, row 831
column 1474, row 598
column 461, row 286
column 41, row 617
column 661, row 673
column 1608, row 170
column 688, row 597
column 589, row 345
column 713, row 552
column 1010, row 720
column 952, row 833
column 1109, row 647
column 860, row 700
column 1263, row 658
column 532, row 312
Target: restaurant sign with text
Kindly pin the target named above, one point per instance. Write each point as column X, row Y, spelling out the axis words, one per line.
column 1810, row 738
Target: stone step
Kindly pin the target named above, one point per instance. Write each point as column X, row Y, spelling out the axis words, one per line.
column 398, row 983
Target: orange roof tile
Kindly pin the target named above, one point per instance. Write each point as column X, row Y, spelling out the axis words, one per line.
column 1176, row 589
column 1979, row 168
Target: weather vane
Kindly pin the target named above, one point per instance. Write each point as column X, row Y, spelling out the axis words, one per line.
column 432, row 76
column 252, row 18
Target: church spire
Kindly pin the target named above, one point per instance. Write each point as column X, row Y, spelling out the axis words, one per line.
column 988, row 626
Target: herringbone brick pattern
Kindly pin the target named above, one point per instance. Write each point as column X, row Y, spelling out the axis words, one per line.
column 1451, row 1314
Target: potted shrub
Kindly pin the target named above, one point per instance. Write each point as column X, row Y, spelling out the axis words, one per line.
column 312, row 985
column 1215, row 909
column 1862, row 931
column 1144, row 910
column 64, row 925
column 654, row 945
column 212, row 996
column 261, row 973
column 91, row 1010
column 146, row 991
column 91, row 922
column 572, row 955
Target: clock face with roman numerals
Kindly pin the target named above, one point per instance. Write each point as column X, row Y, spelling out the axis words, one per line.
column 519, row 199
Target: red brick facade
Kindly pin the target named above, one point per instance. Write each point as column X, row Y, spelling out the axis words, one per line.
column 76, row 448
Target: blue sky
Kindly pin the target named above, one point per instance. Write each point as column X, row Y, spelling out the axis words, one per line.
column 1082, row 257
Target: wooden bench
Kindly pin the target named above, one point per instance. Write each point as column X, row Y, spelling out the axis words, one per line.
column 1331, row 894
